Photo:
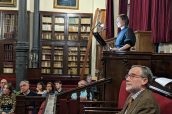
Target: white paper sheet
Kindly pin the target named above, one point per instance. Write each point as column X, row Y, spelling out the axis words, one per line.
column 163, row 81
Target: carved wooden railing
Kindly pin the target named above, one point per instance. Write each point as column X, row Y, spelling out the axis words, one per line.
column 28, row 104
column 66, row 95
column 78, row 89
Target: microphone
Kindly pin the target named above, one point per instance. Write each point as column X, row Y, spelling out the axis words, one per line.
column 101, row 25
column 98, row 25
column 101, row 28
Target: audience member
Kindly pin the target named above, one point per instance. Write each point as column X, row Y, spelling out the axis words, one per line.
column 58, row 87
column 3, row 82
column 40, row 88
column 49, row 89
column 83, row 94
column 25, row 89
column 93, row 89
column 140, row 100
column 7, row 100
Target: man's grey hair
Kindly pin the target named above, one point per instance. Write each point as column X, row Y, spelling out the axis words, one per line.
column 146, row 72
column 24, row 81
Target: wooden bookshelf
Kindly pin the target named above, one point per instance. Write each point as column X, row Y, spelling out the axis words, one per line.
column 72, row 60
column 7, row 61
column 82, row 55
column 8, row 30
column 66, row 36
column 8, row 23
column 58, row 60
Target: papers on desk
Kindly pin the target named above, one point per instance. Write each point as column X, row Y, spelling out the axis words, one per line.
column 163, row 81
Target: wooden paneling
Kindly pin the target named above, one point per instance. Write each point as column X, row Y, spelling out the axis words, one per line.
column 143, row 41
column 117, row 64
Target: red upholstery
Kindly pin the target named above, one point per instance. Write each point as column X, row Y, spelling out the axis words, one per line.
column 165, row 103
column 41, row 109
column 123, row 94
column 10, row 79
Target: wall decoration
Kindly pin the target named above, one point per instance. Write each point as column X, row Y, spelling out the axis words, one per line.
column 66, row 4
column 7, row 3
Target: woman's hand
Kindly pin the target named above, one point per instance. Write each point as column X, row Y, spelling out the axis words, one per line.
column 114, row 49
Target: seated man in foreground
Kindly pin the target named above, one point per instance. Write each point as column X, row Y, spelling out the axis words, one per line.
column 140, row 100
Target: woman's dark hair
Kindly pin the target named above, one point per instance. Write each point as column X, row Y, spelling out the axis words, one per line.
column 10, row 87
column 41, row 83
column 124, row 18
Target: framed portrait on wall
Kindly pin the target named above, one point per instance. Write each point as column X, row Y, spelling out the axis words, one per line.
column 66, row 4
column 7, row 3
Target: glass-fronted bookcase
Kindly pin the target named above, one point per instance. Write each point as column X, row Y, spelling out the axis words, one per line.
column 64, row 39
column 8, row 32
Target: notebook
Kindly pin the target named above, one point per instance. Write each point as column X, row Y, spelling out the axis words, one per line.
column 101, row 41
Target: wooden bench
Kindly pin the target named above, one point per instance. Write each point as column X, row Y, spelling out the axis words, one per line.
column 27, row 104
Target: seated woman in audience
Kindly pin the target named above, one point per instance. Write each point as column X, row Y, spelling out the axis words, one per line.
column 40, row 88
column 83, row 94
column 7, row 100
column 49, row 89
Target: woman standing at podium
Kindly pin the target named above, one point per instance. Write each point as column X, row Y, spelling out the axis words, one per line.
column 126, row 37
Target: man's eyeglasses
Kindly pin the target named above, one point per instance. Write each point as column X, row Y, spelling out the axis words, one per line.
column 132, row 76
column 22, row 85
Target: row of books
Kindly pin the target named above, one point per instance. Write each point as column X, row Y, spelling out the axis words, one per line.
column 46, row 57
column 45, row 70
column 61, row 28
column 47, row 19
column 58, row 64
column 59, row 36
column 8, row 70
column 72, row 20
column 9, row 23
column 72, row 58
column 57, row 71
column 85, row 28
column 46, row 64
column 85, row 20
column 46, row 36
column 73, row 37
column 59, row 20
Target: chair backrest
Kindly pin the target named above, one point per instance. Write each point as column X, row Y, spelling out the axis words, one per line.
column 123, row 94
column 164, row 103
